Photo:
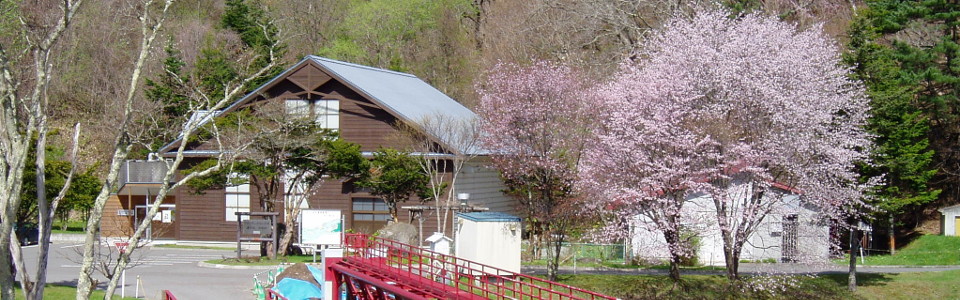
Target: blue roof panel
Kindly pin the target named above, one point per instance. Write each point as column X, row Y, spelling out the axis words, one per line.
column 488, row 216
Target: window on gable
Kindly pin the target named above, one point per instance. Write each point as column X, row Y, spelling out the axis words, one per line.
column 325, row 113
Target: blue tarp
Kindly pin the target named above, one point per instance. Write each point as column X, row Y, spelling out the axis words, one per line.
column 296, row 289
column 317, row 274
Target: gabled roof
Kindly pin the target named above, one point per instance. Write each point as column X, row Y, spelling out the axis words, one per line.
column 953, row 208
column 404, row 95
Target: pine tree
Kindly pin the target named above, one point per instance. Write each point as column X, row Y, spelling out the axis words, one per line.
column 907, row 53
column 902, row 128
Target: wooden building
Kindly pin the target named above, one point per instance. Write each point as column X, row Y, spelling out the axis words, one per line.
column 363, row 103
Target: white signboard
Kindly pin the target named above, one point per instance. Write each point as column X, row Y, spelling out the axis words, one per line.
column 320, row 227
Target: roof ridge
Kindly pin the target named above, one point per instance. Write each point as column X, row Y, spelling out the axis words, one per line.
column 314, row 57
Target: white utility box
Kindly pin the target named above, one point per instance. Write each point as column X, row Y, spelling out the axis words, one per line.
column 489, row 238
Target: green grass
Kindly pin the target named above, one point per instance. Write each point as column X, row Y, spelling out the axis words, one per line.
column 703, row 287
column 74, row 227
column 926, row 285
column 923, row 285
column 263, row 261
column 64, row 292
column 194, row 247
column 926, row 250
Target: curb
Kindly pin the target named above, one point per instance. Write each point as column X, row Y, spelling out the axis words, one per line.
column 232, row 267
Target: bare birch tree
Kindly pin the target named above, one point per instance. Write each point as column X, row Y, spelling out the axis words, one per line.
column 430, row 140
column 152, row 18
column 24, row 80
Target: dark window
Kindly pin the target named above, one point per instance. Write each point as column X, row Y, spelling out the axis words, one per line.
column 369, row 214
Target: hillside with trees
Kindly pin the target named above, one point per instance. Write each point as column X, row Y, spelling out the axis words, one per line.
column 130, row 73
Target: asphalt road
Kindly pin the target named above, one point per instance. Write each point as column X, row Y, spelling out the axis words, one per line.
column 178, row 270
column 159, row 269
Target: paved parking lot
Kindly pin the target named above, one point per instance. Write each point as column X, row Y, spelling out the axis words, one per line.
column 159, row 269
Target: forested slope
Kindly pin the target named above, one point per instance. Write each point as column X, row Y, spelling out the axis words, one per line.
column 450, row 43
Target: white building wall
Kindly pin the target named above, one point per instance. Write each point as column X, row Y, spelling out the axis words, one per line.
column 813, row 241
column 950, row 215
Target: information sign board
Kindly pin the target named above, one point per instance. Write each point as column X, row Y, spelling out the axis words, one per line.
column 320, row 227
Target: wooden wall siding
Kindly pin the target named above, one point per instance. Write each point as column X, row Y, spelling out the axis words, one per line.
column 309, row 77
column 113, row 225
column 203, row 217
column 361, row 121
column 485, row 188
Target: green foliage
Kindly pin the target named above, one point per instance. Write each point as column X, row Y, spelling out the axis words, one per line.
column 168, row 89
column 302, row 149
column 80, row 197
column 904, row 119
column 396, row 176
column 215, row 70
column 215, row 180
column 256, row 29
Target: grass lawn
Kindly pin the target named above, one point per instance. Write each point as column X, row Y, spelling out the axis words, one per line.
column 929, row 285
column 64, row 292
column 76, row 227
column 701, row 287
column 264, row 261
column 924, row 285
column 924, row 251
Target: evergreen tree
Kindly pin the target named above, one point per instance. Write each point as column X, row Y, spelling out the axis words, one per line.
column 913, row 80
column 903, row 154
column 256, row 29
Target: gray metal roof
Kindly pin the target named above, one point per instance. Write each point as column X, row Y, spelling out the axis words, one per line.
column 406, row 95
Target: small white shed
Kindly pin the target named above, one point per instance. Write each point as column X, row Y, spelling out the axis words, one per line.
column 439, row 243
column 490, row 238
column 950, row 220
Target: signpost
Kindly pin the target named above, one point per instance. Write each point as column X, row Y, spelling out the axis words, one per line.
column 122, row 248
column 265, row 230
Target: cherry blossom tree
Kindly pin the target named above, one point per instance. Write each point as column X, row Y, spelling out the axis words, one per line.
column 537, row 119
column 744, row 110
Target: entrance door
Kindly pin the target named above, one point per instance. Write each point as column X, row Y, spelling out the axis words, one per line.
column 163, row 225
column 790, row 239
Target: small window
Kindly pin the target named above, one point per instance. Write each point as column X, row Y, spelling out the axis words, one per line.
column 369, row 214
column 237, row 200
column 326, row 113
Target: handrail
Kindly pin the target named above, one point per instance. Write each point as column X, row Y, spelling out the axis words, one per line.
column 447, row 276
column 168, row 295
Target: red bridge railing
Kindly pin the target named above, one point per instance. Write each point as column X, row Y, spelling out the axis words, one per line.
column 408, row 271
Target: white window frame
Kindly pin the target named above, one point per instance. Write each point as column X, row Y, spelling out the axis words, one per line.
column 325, row 112
column 237, row 199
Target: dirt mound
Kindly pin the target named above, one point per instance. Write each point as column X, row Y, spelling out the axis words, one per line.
column 298, row 271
